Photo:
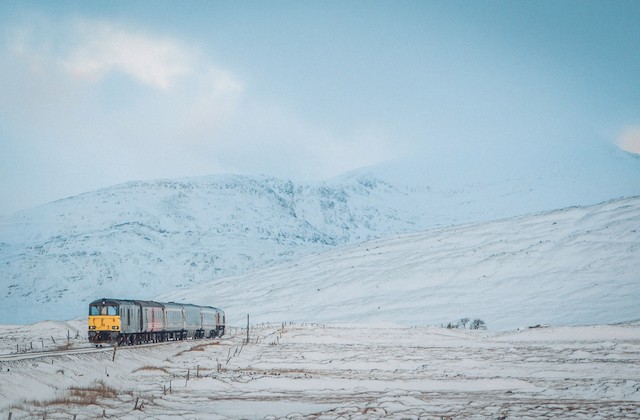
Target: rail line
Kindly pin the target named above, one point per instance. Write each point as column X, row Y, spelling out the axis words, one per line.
column 90, row 348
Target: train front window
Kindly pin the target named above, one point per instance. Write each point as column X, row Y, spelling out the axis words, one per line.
column 103, row 310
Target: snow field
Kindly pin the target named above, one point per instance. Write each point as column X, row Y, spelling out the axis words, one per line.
column 350, row 371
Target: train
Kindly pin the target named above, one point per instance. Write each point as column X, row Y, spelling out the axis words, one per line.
column 130, row 322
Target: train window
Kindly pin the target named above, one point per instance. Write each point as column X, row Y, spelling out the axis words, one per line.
column 103, row 310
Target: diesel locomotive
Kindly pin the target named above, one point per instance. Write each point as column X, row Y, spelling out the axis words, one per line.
column 123, row 321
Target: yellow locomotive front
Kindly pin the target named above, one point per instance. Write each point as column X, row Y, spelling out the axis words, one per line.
column 104, row 322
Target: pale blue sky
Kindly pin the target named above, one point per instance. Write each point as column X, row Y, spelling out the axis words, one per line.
column 103, row 92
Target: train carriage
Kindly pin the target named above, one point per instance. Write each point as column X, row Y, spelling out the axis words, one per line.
column 192, row 321
column 212, row 321
column 174, row 325
column 152, row 320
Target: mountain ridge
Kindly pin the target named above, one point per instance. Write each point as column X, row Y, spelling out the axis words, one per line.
column 146, row 238
column 158, row 235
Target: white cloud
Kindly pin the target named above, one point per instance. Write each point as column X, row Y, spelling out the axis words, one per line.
column 104, row 47
column 91, row 50
column 629, row 139
column 150, row 89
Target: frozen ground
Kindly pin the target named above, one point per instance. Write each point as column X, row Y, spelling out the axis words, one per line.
column 330, row 371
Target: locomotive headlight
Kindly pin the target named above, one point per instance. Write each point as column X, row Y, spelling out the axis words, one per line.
column 92, row 327
column 115, row 327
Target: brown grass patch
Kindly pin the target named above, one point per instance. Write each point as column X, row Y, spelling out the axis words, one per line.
column 199, row 347
column 82, row 396
column 65, row 346
column 90, row 395
column 151, row 369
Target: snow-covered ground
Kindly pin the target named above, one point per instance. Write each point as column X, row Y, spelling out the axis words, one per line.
column 331, row 371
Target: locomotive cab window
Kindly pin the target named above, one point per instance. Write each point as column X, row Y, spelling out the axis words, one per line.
column 103, row 310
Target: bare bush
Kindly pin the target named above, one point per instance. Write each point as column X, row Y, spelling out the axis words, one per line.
column 478, row 324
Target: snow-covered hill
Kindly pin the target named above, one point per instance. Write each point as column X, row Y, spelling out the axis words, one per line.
column 566, row 267
column 144, row 239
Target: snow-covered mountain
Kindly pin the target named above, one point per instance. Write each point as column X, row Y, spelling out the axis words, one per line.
column 150, row 238
column 144, row 238
column 575, row 266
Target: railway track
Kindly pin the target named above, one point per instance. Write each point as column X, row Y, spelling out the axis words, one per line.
column 90, row 348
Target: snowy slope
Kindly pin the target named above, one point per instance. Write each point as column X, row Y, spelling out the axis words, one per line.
column 572, row 266
column 143, row 238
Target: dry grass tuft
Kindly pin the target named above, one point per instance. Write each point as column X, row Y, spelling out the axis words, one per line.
column 82, row 396
column 151, row 369
column 199, row 347
column 65, row 346
column 87, row 395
